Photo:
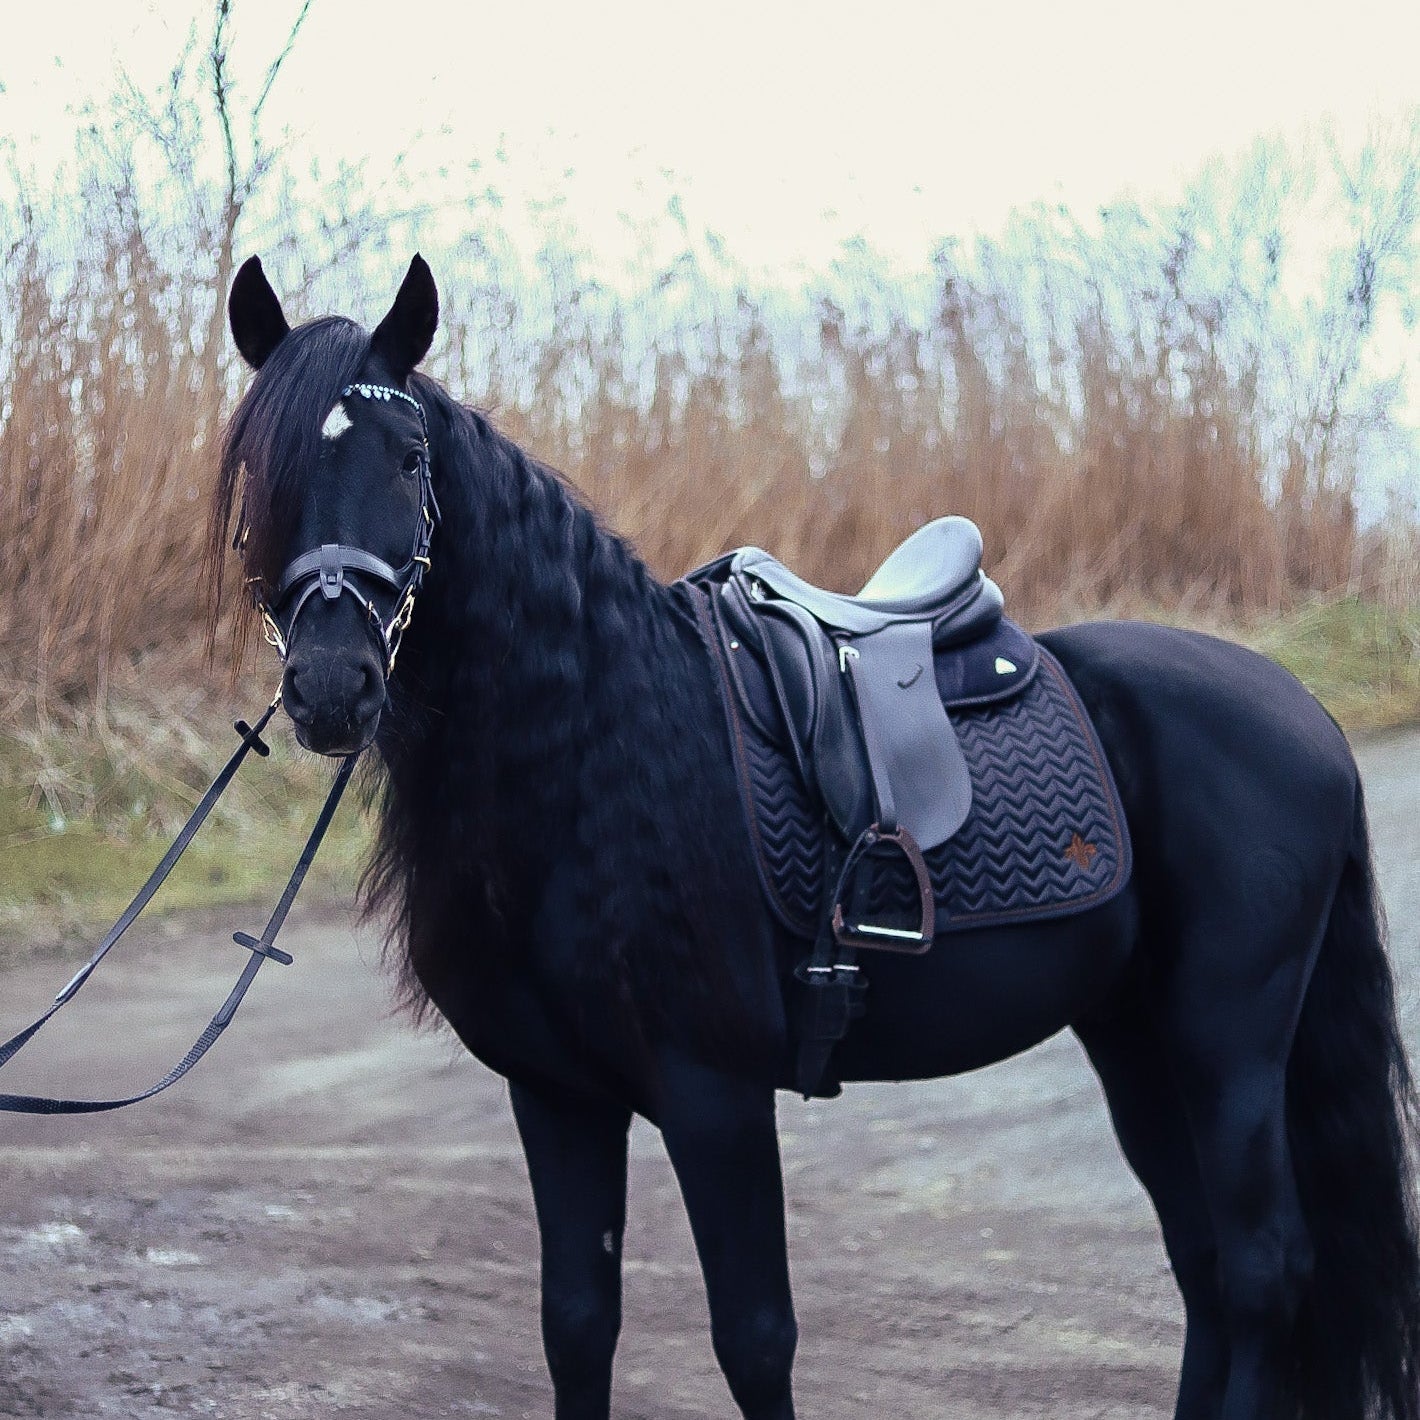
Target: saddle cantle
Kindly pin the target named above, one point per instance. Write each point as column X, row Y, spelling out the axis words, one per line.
column 910, row 762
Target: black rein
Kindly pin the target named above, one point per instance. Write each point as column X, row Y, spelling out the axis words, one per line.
column 261, row 948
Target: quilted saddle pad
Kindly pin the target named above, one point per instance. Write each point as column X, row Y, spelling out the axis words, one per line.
column 1046, row 835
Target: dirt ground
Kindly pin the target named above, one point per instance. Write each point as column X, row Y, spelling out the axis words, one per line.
column 331, row 1215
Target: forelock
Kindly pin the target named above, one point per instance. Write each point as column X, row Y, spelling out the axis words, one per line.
column 274, row 437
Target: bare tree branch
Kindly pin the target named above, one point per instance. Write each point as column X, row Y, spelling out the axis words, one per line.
column 276, row 64
column 244, row 176
column 221, row 93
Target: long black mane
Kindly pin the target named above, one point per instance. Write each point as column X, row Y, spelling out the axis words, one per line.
column 552, row 706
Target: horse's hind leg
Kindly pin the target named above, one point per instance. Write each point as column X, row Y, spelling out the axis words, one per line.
column 576, row 1152
column 1231, row 1020
column 1153, row 1132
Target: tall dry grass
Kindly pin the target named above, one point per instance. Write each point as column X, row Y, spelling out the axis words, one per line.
column 1132, row 417
column 1128, row 459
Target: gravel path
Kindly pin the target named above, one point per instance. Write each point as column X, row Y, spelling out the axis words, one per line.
column 331, row 1215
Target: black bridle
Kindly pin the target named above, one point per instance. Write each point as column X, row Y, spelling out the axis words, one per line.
column 323, row 569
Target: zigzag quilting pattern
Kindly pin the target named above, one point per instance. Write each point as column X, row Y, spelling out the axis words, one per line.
column 789, row 834
column 1045, row 836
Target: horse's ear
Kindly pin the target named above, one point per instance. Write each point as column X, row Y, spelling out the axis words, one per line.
column 404, row 336
column 258, row 325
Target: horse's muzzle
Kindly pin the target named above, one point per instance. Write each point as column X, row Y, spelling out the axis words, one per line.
column 334, row 700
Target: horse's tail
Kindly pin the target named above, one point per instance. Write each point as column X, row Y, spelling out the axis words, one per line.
column 1352, row 1118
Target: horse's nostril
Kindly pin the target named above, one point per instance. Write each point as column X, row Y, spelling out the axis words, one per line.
column 334, row 689
column 371, row 693
column 293, row 695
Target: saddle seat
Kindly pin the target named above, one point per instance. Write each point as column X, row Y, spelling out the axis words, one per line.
column 856, row 677
column 935, row 575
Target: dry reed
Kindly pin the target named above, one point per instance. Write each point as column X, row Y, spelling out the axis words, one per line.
column 1116, row 434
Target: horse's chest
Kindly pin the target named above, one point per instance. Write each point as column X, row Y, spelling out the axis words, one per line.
column 515, row 1030
column 522, row 1006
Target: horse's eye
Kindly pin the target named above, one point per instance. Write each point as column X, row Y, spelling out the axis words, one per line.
column 413, row 461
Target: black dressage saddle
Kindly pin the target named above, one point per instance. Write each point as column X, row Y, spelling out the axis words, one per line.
column 855, row 682
column 910, row 762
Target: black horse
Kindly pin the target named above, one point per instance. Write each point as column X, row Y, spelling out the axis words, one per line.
column 565, row 877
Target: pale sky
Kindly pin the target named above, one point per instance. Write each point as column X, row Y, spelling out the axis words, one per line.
column 784, row 128
column 787, row 127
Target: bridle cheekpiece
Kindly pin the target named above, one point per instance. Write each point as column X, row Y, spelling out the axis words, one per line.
column 323, row 569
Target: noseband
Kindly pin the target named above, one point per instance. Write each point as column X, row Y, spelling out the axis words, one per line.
column 323, row 569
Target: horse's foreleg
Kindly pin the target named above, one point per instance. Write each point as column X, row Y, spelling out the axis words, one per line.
column 576, row 1152
column 721, row 1137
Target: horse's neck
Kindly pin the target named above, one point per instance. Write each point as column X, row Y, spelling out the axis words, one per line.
column 558, row 767
column 529, row 650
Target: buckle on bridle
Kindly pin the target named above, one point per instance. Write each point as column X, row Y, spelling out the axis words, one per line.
column 332, row 571
column 271, row 631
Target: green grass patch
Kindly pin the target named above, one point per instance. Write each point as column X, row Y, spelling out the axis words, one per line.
column 1360, row 659
column 68, row 868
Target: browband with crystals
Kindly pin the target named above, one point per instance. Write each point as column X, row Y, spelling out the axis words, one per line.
column 387, row 392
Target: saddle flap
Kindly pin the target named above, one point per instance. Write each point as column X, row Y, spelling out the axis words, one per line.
column 920, row 776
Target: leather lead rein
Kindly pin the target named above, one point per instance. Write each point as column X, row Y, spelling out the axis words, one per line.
column 322, row 570
column 261, row 948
